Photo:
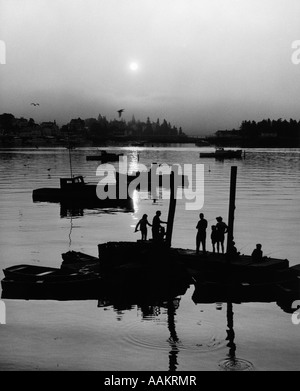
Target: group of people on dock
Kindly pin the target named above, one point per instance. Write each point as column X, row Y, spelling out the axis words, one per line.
column 217, row 235
column 158, row 231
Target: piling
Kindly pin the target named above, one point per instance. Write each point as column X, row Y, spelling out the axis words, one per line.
column 231, row 207
column 172, row 208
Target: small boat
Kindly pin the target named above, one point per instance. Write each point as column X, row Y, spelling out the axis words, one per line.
column 138, row 144
column 39, row 282
column 40, row 274
column 28, row 272
column 74, row 191
column 105, row 157
column 202, row 143
column 221, row 153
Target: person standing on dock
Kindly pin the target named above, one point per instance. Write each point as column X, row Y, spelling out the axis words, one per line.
column 222, row 229
column 201, row 234
column 143, row 227
column 158, row 231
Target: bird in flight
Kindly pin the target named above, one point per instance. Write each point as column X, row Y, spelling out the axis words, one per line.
column 120, row 112
column 35, row 104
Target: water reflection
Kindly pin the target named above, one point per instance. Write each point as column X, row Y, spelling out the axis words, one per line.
column 67, row 211
column 233, row 363
column 172, row 306
column 150, row 311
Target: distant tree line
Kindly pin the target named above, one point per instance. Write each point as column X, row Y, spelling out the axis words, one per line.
column 97, row 128
column 272, row 128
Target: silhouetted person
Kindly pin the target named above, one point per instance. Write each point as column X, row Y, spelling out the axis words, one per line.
column 257, row 253
column 221, row 231
column 201, row 234
column 233, row 252
column 157, row 230
column 143, row 226
column 214, row 237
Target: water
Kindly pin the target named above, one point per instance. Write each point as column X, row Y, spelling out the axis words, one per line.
column 80, row 335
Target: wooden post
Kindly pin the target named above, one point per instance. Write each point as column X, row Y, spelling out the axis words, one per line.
column 231, row 207
column 172, row 207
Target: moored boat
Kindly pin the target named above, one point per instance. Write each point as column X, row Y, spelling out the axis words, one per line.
column 39, row 282
column 74, row 191
column 221, row 153
column 105, row 157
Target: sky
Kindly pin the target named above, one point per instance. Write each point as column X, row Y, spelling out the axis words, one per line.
column 204, row 65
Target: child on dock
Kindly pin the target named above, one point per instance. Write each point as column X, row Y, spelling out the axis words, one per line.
column 143, row 227
column 214, row 237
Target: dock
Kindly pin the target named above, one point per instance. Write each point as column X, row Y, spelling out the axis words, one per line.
column 154, row 270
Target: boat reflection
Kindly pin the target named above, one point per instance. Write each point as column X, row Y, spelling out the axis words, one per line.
column 67, row 211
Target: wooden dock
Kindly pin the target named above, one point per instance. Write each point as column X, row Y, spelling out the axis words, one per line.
column 152, row 270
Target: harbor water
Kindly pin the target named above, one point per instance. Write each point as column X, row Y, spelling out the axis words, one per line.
column 81, row 335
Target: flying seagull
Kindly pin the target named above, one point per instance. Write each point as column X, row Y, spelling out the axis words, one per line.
column 35, row 104
column 120, row 112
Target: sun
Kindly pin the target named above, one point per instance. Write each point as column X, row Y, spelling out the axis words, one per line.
column 134, row 66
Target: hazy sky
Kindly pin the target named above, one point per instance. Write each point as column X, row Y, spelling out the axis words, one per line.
column 201, row 64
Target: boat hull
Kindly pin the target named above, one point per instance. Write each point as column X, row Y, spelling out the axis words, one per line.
column 89, row 288
column 223, row 154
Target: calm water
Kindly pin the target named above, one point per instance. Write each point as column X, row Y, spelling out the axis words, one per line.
column 79, row 335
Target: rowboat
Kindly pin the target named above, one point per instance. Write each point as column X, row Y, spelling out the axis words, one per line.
column 39, row 282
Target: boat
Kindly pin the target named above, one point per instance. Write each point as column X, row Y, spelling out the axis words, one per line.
column 74, row 191
column 28, row 272
column 40, row 282
column 138, row 144
column 221, row 153
column 36, row 273
column 202, row 143
column 105, row 157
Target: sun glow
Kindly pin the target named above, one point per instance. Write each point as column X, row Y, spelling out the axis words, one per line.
column 134, row 66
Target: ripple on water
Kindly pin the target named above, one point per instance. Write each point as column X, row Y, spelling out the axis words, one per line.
column 183, row 337
column 235, row 364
